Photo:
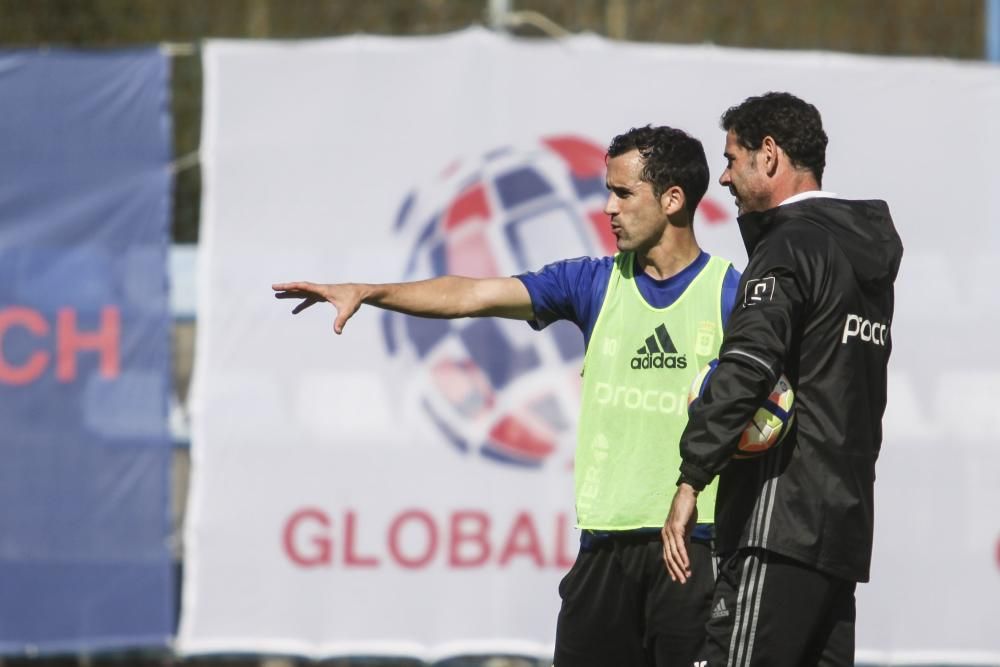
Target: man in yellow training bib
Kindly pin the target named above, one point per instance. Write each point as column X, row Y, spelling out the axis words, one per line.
column 651, row 317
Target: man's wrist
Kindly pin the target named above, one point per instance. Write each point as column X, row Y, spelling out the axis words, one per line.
column 372, row 294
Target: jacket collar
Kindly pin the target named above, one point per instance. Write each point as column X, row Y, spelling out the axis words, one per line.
column 753, row 226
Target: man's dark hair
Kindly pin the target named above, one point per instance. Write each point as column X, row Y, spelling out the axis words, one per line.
column 670, row 157
column 793, row 123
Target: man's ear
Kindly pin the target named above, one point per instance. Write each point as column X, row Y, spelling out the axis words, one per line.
column 672, row 201
column 770, row 152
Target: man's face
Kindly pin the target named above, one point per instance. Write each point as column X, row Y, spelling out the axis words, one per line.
column 637, row 218
column 744, row 177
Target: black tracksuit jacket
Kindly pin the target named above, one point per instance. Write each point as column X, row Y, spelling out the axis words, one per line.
column 815, row 303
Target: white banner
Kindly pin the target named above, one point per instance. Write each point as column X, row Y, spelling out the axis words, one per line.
column 406, row 488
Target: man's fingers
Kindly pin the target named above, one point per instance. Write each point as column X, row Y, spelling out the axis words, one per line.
column 306, row 302
column 681, row 547
column 678, row 559
column 673, row 566
column 343, row 297
column 297, row 286
column 675, row 555
column 666, row 560
column 303, row 291
column 295, row 294
column 310, row 293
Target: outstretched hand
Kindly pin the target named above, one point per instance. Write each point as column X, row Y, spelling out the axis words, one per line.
column 677, row 531
column 346, row 298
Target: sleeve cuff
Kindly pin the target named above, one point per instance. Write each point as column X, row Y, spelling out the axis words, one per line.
column 694, row 476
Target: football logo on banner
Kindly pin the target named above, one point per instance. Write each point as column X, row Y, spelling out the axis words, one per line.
column 490, row 386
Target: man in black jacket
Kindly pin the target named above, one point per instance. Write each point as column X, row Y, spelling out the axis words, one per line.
column 815, row 304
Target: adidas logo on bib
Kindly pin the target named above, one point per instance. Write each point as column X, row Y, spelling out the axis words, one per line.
column 659, row 351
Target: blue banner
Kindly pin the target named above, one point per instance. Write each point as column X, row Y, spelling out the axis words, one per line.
column 85, row 450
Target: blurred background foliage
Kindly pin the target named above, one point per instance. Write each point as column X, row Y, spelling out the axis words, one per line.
column 936, row 28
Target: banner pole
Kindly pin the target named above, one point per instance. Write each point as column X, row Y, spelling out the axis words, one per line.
column 497, row 12
column 993, row 30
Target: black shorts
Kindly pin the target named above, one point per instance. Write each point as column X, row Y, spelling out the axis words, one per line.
column 775, row 611
column 620, row 608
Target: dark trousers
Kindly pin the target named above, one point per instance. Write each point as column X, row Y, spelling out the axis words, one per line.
column 620, row 608
column 775, row 611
